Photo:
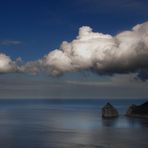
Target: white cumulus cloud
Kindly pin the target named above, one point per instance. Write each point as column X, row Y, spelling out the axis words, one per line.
column 126, row 52
column 6, row 64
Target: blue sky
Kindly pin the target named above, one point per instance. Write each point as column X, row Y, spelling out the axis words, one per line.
column 31, row 28
column 41, row 25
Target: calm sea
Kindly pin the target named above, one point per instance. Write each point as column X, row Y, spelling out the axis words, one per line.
column 73, row 123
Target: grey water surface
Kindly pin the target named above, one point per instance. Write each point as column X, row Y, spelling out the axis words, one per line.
column 69, row 124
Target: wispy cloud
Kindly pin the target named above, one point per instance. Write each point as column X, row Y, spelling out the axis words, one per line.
column 113, row 81
column 10, row 42
column 24, row 86
column 106, row 6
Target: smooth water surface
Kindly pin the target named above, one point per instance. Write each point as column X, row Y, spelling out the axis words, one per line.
column 69, row 124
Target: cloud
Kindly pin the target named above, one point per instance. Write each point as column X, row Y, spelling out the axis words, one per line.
column 104, row 54
column 127, row 52
column 32, row 67
column 10, row 42
column 6, row 64
column 115, row 6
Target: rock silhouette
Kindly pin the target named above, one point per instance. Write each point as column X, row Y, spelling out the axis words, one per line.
column 140, row 111
column 108, row 111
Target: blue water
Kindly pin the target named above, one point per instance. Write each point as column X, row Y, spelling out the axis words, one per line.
column 73, row 123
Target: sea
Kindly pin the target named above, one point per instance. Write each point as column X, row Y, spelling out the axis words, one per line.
column 69, row 123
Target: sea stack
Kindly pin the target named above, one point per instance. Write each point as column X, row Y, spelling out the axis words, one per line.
column 108, row 111
column 140, row 111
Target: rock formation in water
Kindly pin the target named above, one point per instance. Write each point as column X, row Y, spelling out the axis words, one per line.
column 108, row 111
column 138, row 110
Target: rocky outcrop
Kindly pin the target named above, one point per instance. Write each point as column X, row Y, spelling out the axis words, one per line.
column 108, row 111
column 140, row 111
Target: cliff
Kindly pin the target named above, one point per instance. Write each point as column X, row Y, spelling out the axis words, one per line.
column 138, row 110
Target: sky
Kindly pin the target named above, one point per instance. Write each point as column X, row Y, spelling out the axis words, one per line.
column 104, row 54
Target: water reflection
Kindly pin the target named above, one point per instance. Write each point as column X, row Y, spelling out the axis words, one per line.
column 45, row 127
column 137, row 122
column 125, row 122
column 109, row 122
